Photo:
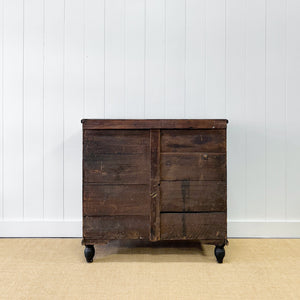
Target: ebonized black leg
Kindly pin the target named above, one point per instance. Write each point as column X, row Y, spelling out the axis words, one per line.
column 219, row 253
column 89, row 253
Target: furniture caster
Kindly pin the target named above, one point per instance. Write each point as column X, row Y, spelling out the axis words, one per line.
column 89, row 253
column 219, row 253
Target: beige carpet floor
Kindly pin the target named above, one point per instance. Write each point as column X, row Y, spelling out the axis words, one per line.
column 56, row 269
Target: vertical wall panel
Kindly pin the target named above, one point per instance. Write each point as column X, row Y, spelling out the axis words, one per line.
column 195, row 59
column 73, row 106
column 33, row 109
column 135, row 58
column 13, row 109
column 175, row 58
column 255, row 110
column 62, row 60
column 235, row 104
column 293, row 109
column 53, row 109
column 155, row 59
column 215, row 58
column 94, row 55
column 115, row 59
column 1, row 105
column 275, row 108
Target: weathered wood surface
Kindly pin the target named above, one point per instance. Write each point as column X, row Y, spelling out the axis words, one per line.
column 176, row 226
column 193, row 166
column 98, row 142
column 132, row 173
column 193, row 141
column 118, row 168
column 108, row 199
column 189, row 196
column 116, row 227
column 153, row 124
column 154, row 184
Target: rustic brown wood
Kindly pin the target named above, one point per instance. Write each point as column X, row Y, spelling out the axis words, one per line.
column 183, row 140
column 153, row 124
column 116, row 227
column 118, row 168
column 115, row 199
column 193, row 166
column 200, row 226
column 154, row 184
column 99, row 142
column 154, row 180
column 189, row 196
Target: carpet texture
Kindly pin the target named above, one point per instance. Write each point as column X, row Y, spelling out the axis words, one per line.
column 56, row 269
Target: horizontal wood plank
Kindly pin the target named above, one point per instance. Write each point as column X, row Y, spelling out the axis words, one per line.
column 193, row 141
column 116, row 199
column 193, row 166
column 189, row 196
column 97, row 142
column 153, row 124
column 208, row 226
column 118, row 168
column 116, row 227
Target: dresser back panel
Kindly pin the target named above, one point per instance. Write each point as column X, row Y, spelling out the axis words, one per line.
column 193, row 166
column 193, row 226
column 154, row 180
column 192, row 196
column 193, row 140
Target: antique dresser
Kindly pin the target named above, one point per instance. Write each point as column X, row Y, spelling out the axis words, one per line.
column 154, row 180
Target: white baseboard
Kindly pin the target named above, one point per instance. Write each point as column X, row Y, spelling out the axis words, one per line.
column 73, row 228
column 264, row 229
column 41, row 228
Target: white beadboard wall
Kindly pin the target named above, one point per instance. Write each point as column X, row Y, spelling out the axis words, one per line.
column 63, row 60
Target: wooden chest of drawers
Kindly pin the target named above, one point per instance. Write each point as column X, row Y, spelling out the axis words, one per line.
column 154, row 180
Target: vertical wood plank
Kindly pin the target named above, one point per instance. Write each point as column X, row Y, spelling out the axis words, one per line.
column 115, row 59
column 195, row 59
column 275, row 108
column 235, row 100
column 53, row 109
column 175, row 58
column 73, row 106
column 33, row 109
column 13, row 109
column 155, row 59
column 293, row 108
column 135, row 58
column 215, row 58
column 1, row 106
column 255, row 110
column 154, row 184
column 94, row 59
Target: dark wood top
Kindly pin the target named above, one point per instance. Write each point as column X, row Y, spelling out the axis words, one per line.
column 154, row 123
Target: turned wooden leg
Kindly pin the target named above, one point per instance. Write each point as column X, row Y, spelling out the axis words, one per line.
column 219, row 253
column 89, row 253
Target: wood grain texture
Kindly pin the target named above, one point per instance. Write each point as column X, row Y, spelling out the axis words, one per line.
column 117, row 168
column 116, row 227
column 154, row 184
column 193, row 226
column 180, row 196
column 193, row 166
column 131, row 199
column 193, row 141
column 98, row 142
column 152, row 124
